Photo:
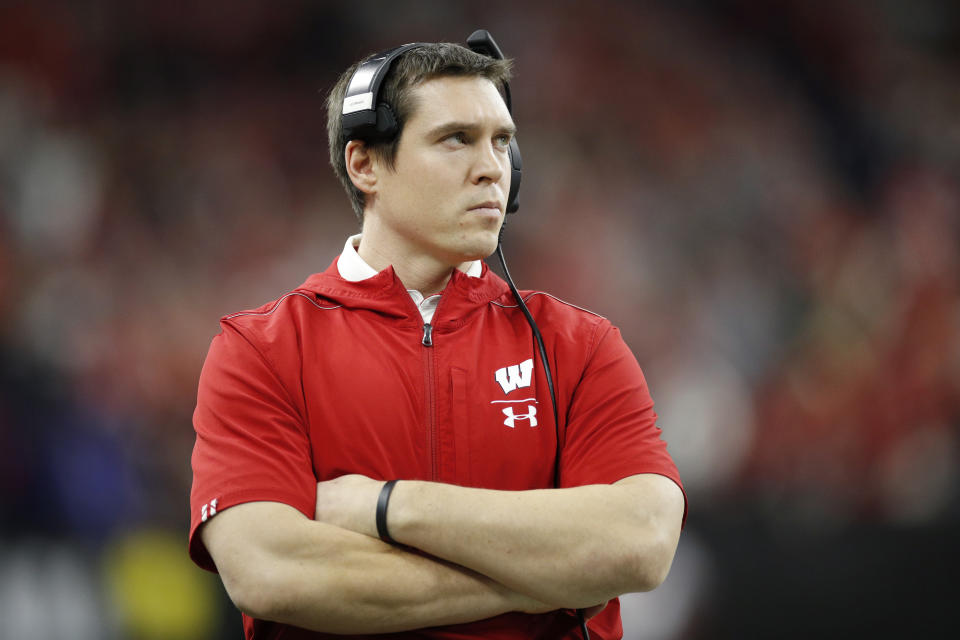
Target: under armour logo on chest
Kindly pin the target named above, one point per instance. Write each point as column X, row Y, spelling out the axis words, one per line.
column 511, row 418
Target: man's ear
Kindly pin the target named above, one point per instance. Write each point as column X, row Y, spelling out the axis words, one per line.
column 361, row 166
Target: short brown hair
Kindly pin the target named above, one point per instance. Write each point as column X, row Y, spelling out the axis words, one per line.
column 411, row 68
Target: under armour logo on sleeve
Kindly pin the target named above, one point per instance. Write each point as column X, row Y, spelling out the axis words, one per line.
column 208, row 510
column 511, row 418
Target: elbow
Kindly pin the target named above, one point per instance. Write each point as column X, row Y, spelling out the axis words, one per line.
column 653, row 573
column 650, row 538
column 245, row 596
column 649, row 563
column 255, row 594
column 255, row 603
column 255, row 549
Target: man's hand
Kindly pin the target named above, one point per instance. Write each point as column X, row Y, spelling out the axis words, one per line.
column 349, row 502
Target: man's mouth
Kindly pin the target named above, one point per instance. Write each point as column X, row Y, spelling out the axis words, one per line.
column 490, row 207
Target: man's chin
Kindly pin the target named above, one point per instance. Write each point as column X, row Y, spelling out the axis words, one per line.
column 486, row 248
column 476, row 247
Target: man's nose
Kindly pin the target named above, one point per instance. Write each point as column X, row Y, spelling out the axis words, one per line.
column 488, row 164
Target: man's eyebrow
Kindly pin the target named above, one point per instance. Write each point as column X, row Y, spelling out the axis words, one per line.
column 452, row 127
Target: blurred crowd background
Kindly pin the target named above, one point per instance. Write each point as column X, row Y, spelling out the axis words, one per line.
column 763, row 195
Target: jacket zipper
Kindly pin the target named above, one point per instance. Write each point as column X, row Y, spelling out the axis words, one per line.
column 429, row 366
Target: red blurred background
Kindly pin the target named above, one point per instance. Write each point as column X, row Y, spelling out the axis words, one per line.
column 764, row 196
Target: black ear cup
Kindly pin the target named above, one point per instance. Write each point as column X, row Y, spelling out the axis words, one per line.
column 387, row 124
column 516, row 165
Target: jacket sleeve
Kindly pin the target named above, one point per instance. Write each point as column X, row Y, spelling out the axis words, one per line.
column 611, row 431
column 252, row 442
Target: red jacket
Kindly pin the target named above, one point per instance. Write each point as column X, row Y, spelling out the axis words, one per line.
column 341, row 377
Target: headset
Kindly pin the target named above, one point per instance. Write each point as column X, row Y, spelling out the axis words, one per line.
column 366, row 117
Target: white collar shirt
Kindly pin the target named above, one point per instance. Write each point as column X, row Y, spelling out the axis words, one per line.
column 353, row 268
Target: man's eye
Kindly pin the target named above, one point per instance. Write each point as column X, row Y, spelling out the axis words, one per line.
column 503, row 140
column 459, row 138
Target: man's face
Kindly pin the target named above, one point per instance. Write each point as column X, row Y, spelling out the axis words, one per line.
column 448, row 189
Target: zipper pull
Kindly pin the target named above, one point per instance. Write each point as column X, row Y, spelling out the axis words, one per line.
column 427, row 335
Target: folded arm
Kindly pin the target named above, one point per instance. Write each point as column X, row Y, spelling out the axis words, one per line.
column 569, row 548
column 276, row 564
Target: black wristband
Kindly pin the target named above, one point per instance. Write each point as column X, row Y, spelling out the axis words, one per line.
column 382, row 503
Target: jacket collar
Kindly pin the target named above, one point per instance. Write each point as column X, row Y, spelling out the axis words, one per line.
column 385, row 294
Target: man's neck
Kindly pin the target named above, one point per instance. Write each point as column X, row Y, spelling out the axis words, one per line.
column 380, row 248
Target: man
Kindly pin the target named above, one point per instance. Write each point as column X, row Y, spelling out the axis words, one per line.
column 408, row 360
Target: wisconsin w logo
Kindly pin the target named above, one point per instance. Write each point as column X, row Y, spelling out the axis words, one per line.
column 515, row 376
